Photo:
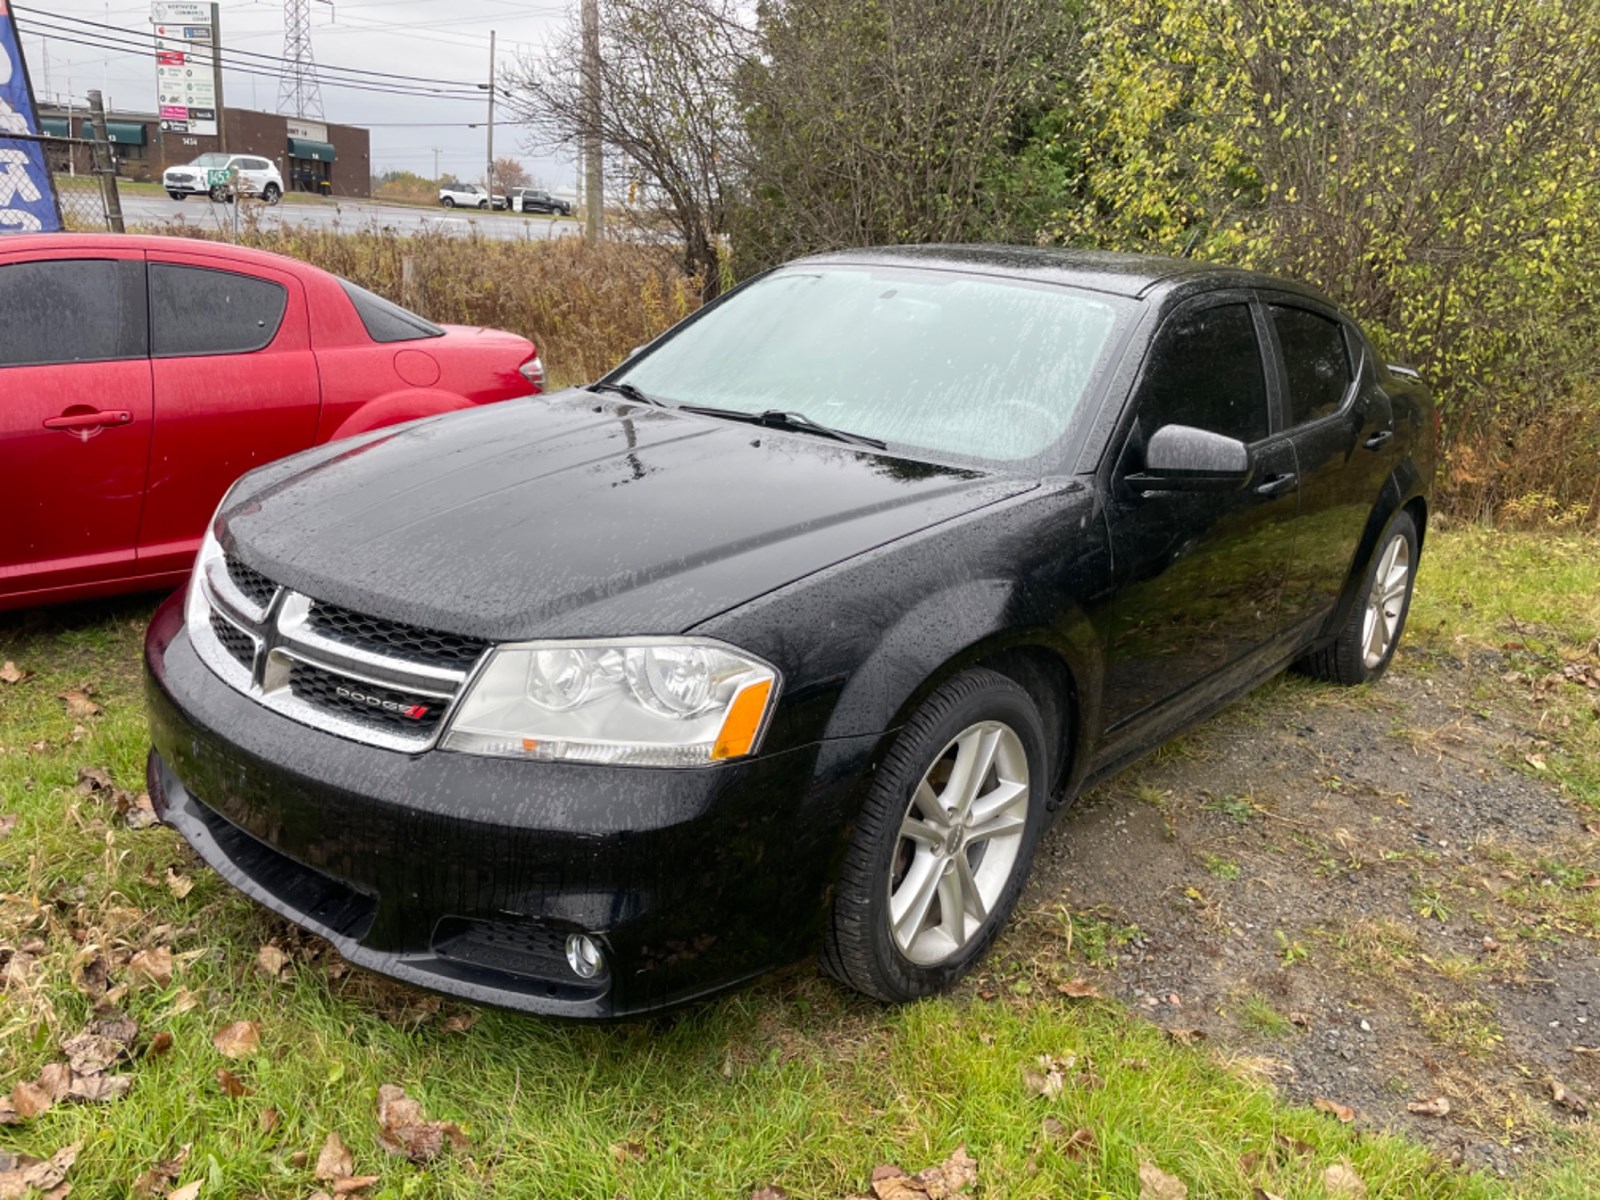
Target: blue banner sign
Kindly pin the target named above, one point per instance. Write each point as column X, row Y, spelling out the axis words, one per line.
column 27, row 192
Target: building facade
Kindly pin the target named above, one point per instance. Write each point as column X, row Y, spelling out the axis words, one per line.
column 313, row 156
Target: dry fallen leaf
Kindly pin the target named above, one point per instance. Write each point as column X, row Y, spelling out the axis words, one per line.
column 271, row 961
column 1341, row 1182
column 179, row 885
column 1077, row 1145
column 159, row 1045
column 238, row 1040
column 891, row 1183
column 1187, row 1037
column 187, row 1192
column 629, row 1151
column 402, row 1129
column 154, row 965
column 39, row 1174
column 100, row 1089
column 1078, row 989
column 1261, row 1193
column 10, row 673
column 1156, row 1184
column 355, row 1183
column 1293, row 1145
column 771, row 1192
column 232, row 1086
column 333, row 1160
column 79, row 706
column 1438, row 1106
column 140, row 813
column 268, row 1120
column 8, row 822
column 161, row 1176
column 1559, row 1095
column 1334, row 1109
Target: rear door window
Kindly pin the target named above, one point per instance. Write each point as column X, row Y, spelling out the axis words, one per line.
column 1316, row 362
column 199, row 311
column 71, row 310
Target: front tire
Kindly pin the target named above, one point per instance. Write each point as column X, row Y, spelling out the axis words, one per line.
column 178, row 195
column 1366, row 644
column 943, row 842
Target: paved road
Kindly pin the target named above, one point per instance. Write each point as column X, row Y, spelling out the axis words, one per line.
column 347, row 215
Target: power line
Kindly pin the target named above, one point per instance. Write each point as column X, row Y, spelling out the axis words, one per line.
column 104, row 42
column 122, row 34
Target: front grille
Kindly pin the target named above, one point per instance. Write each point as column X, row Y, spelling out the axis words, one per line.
column 257, row 588
column 300, row 660
column 391, row 637
column 368, row 704
column 235, row 641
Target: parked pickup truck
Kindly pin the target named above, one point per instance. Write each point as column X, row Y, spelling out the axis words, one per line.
column 468, row 195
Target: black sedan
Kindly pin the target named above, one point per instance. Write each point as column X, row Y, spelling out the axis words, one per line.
column 795, row 631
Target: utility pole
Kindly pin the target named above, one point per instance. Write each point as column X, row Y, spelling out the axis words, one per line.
column 436, row 164
column 216, row 76
column 594, row 184
column 490, row 173
column 104, row 165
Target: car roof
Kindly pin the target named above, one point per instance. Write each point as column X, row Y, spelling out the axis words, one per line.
column 1134, row 275
column 156, row 242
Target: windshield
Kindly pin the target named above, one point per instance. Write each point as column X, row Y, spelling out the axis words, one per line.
column 955, row 365
column 212, row 160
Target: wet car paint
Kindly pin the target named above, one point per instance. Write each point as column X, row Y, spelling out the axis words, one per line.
column 866, row 579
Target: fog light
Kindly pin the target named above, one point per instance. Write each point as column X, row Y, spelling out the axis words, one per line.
column 583, row 956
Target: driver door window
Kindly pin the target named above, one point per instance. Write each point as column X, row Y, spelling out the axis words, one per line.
column 1206, row 371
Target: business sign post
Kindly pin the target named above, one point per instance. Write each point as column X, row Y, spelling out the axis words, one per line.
column 27, row 191
column 186, row 75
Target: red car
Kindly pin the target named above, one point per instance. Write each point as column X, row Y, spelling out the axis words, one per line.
column 140, row 376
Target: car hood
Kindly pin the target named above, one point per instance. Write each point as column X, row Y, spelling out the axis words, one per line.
column 571, row 515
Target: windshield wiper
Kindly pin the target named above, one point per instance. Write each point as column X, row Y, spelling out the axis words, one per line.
column 792, row 422
column 628, row 391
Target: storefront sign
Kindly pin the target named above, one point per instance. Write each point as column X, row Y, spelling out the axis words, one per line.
column 27, row 192
column 186, row 87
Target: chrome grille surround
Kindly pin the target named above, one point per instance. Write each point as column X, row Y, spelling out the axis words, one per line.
column 285, row 637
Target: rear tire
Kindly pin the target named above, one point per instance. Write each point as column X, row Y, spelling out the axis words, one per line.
column 271, row 194
column 943, row 842
column 1366, row 645
column 447, row 202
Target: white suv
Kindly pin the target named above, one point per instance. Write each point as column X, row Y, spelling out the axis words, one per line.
column 246, row 175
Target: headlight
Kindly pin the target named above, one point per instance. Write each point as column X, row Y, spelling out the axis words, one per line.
column 657, row 702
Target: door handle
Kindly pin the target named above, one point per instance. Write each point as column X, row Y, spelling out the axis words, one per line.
column 91, row 420
column 1277, row 485
column 1378, row 440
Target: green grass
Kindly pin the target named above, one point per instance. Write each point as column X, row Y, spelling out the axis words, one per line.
column 792, row 1082
column 1534, row 599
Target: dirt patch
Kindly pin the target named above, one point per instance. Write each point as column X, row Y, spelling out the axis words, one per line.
column 1357, row 890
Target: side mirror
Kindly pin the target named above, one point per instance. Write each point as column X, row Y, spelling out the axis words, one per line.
column 1180, row 458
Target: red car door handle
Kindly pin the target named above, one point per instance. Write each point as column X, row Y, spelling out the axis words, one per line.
column 90, row 420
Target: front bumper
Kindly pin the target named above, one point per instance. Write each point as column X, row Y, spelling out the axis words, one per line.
column 466, row 874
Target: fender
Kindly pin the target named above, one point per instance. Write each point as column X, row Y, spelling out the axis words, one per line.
column 1400, row 489
column 394, row 407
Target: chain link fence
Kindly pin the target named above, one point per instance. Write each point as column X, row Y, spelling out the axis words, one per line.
column 80, row 187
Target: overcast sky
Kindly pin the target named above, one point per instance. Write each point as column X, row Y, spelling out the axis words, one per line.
column 439, row 39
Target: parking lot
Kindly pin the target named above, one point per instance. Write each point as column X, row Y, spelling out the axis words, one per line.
column 141, row 208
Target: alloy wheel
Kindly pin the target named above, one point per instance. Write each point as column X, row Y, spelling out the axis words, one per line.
column 959, row 841
column 1386, row 602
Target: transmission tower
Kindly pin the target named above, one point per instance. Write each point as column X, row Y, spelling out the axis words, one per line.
column 299, row 92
